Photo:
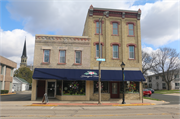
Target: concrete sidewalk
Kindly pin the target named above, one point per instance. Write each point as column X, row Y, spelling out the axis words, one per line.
column 103, row 103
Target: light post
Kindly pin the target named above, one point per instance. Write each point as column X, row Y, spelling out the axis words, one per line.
column 122, row 66
column 99, row 80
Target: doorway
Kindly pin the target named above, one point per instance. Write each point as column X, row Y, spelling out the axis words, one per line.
column 41, row 88
column 51, row 89
column 114, row 89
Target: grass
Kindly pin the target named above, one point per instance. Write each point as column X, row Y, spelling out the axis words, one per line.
column 166, row 91
column 151, row 98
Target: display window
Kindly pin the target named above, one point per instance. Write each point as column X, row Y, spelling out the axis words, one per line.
column 58, row 87
column 130, row 87
column 104, row 87
column 74, row 87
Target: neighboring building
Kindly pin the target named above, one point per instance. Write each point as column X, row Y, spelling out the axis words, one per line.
column 156, row 82
column 24, row 59
column 120, row 41
column 6, row 73
column 20, row 84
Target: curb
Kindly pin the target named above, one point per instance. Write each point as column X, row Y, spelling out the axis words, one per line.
column 8, row 94
column 50, row 105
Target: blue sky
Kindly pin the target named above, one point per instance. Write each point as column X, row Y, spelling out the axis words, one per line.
column 19, row 18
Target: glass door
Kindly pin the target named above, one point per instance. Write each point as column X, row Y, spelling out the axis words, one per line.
column 51, row 89
column 114, row 89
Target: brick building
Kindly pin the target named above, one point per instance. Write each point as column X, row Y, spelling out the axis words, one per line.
column 120, row 42
column 6, row 77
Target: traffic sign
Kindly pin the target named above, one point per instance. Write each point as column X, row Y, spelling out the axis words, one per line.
column 100, row 59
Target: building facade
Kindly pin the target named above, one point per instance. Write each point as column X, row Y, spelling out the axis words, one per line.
column 120, row 42
column 6, row 77
column 156, row 82
column 20, row 84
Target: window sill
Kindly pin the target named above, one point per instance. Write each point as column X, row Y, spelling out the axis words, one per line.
column 131, row 35
column 114, row 34
column 131, row 59
column 76, row 64
column 45, row 63
column 61, row 63
column 115, row 58
column 97, row 34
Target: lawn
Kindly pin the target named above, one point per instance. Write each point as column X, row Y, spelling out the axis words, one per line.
column 151, row 98
column 166, row 91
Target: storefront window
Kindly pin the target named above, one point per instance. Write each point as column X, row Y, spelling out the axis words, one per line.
column 58, row 87
column 130, row 87
column 74, row 87
column 104, row 87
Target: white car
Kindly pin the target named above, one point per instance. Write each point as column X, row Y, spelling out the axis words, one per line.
column 12, row 89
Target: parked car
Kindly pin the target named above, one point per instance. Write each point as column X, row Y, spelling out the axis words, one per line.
column 147, row 92
column 152, row 90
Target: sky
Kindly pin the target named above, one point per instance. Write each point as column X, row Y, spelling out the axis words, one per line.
column 23, row 19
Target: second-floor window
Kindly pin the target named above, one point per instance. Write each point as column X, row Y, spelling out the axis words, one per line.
column 176, row 76
column 176, row 84
column 78, row 57
column 131, row 52
column 2, row 69
column 131, row 29
column 115, row 51
column 115, row 28
column 46, row 56
column 97, row 51
column 157, row 77
column 150, row 79
column 62, row 56
column 97, row 28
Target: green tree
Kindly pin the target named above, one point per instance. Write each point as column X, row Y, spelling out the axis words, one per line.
column 24, row 73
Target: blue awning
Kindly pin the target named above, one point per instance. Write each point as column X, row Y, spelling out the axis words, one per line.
column 86, row 74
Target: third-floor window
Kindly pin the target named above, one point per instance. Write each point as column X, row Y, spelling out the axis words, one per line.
column 97, row 28
column 131, row 29
column 78, row 57
column 115, row 28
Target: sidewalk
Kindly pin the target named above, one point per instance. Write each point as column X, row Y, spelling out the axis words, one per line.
column 103, row 103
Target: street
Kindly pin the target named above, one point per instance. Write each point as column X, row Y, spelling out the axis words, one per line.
column 16, row 106
column 21, row 111
column 173, row 99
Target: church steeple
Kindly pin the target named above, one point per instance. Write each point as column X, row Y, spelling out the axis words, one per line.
column 24, row 56
column 24, row 50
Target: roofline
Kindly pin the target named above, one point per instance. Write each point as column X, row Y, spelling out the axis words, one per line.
column 118, row 10
column 7, row 59
column 62, row 36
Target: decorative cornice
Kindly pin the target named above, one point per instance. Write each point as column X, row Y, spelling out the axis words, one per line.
column 115, row 22
column 131, row 23
column 98, row 21
column 131, row 44
column 91, row 11
column 55, row 38
column 98, row 43
column 115, row 44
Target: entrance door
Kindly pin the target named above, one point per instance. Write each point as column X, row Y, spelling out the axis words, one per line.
column 51, row 89
column 40, row 88
column 114, row 89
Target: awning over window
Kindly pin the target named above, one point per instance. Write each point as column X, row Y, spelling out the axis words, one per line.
column 86, row 74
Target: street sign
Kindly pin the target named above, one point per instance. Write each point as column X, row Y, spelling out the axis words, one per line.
column 100, row 59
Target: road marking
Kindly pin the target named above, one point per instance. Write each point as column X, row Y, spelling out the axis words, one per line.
column 52, row 107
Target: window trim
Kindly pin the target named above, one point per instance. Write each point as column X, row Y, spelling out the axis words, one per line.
column 118, row 23
column 118, row 44
column 59, row 57
column 49, row 56
column 75, row 58
column 134, row 24
column 95, row 21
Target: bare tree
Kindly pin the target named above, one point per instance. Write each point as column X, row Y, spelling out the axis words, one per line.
column 148, row 62
column 168, row 64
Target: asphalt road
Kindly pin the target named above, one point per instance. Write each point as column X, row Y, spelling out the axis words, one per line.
column 168, row 98
column 9, row 111
column 19, row 96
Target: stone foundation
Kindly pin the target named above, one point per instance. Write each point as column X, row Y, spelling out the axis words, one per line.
column 104, row 97
column 131, row 96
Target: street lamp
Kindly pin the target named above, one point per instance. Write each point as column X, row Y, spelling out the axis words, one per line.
column 99, row 80
column 122, row 66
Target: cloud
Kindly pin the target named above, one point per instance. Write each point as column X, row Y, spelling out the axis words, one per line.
column 12, row 43
column 61, row 17
column 160, row 22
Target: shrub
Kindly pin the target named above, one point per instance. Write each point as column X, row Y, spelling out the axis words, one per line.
column 4, row 91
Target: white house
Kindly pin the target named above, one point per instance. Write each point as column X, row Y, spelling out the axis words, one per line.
column 20, row 84
column 157, row 83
